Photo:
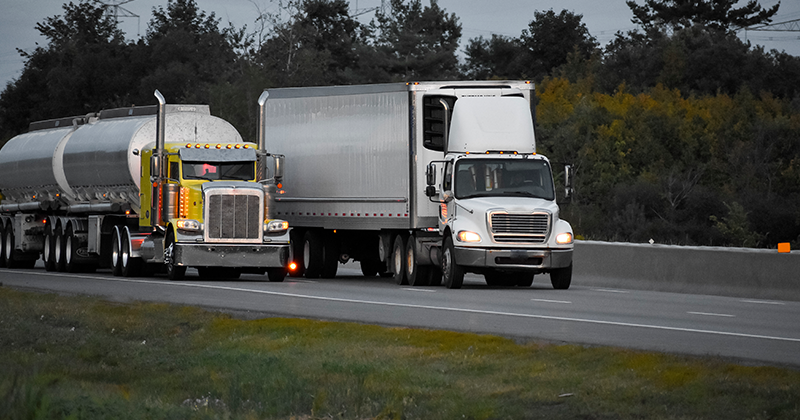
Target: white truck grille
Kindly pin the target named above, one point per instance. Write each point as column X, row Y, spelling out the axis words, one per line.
column 520, row 228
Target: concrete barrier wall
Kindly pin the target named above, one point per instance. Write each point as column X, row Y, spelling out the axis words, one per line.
column 742, row 272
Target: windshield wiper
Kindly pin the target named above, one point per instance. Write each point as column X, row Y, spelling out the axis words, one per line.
column 525, row 193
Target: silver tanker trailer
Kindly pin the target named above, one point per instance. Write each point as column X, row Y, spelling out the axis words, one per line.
column 141, row 190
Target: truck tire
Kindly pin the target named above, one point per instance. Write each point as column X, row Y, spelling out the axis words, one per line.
column 59, row 250
column 129, row 266
column 276, row 275
column 13, row 257
column 71, row 252
column 561, row 277
column 330, row 257
column 397, row 260
column 174, row 271
column 116, row 252
column 2, row 244
column 312, row 254
column 296, row 240
column 417, row 275
column 48, row 252
column 452, row 273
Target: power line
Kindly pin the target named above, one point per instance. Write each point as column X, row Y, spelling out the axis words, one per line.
column 114, row 9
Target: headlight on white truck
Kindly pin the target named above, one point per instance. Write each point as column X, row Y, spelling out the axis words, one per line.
column 276, row 226
column 564, row 238
column 467, row 236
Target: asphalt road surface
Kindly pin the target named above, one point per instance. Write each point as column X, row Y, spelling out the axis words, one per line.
column 747, row 330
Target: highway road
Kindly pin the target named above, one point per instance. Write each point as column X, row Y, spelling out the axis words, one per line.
column 746, row 330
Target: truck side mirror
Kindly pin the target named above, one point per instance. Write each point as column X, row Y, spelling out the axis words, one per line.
column 430, row 191
column 278, row 167
column 430, row 175
column 568, row 189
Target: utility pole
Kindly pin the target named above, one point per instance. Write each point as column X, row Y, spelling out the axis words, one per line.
column 114, row 8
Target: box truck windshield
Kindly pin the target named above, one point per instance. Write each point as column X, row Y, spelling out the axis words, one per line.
column 503, row 177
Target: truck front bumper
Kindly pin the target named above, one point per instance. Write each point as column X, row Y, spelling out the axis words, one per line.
column 514, row 259
column 228, row 255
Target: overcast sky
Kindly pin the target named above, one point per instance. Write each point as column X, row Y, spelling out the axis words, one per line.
column 604, row 18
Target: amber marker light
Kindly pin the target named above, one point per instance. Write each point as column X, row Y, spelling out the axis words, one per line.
column 238, row 146
column 228, row 146
column 219, row 146
column 292, row 266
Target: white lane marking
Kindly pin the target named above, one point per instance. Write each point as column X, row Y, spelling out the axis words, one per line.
column 763, row 302
column 551, row 301
column 611, row 290
column 418, row 290
column 711, row 314
column 407, row 305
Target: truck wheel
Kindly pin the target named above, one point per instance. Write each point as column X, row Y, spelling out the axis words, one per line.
column 129, row 266
column 276, row 275
column 116, row 253
column 417, row 275
column 296, row 240
column 330, row 257
column 397, row 260
column 59, row 250
column 71, row 252
column 561, row 277
column 49, row 250
column 452, row 273
column 3, row 245
column 312, row 255
column 174, row 271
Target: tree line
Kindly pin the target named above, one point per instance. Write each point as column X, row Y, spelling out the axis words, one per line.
column 679, row 131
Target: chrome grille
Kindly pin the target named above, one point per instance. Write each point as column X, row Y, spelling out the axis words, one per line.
column 233, row 217
column 530, row 228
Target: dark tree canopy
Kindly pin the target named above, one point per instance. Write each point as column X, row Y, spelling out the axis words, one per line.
column 714, row 14
column 551, row 37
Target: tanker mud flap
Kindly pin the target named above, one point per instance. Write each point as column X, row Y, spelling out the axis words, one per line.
column 227, row 255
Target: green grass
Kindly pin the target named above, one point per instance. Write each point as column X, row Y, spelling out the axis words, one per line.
column 84, row 358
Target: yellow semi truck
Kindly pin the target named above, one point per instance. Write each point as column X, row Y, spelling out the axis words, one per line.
column 142, row 190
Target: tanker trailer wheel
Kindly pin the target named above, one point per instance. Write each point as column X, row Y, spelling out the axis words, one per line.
column 174, row 271
column 417, row 275
column 71, row 252
column 12, row 257
column 561, row 277
column 48, row 253
column 59, row 250
column 312, row 254
column 116, row 253
column 397, row 260
column 129, row 266
column 452, row 273
column 2, row 244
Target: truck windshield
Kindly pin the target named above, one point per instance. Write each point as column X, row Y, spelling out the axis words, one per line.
column 214, row 171
column 503, row 177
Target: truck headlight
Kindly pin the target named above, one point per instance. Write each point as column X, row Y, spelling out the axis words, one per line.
column 564, row 238
column 467, row 236
column 276, row 226
column 188, row 225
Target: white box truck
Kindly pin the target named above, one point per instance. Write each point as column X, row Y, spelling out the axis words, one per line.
column 419, row 181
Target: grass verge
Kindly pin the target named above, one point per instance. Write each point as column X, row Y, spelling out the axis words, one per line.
column 85, row 358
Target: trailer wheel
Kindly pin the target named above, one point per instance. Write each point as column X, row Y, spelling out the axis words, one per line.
column 116, row 253
column 129, row 266
column 174, row 271
column 397, row 260
column 312, row 254
column 71, row 252
column 48, row 253
column 330, row 257
column 59, row 250
column 276, row 275
column 561, row 277
column 452, row 273
column 13, row 259
column 2, row 244
column 417, row 275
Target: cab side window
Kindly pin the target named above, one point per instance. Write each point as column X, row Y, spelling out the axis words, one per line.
column 447, row 182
